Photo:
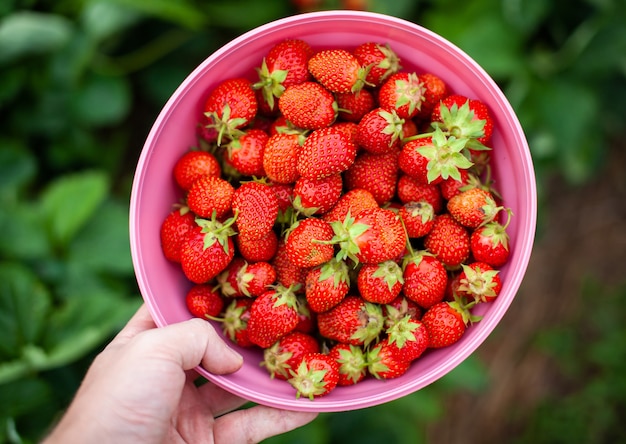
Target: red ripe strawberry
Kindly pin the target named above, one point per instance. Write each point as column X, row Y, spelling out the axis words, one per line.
column 464, row 118
column 325, row 152
column 228, row 281
column 409, row 337
column 412, row 190
column 490, row 243
column 308, row 318
column 204, row 301
column 256, row 278
column 173, row 231
column 371, row 237
column 308, row 243
column 287, row 273
column 448, row 241
column 450, row 187
column 234, row 321
column 337, row 70
column 413, row 163
column 262, row 249
column 317, row 375
column 380, row 131
column 418, row 218
column 194, row 164
column 353, row 106
column 376, row 173
column 425, row 279
column 381, row 60
column 286, row 353
column 446, row 323
column 280, row 158
column 255, row 207
column 352, row 202
column 207, row 250
column 380, row 283
column 348, row 128
column 384, row 362
column 231, row 105
column 435, row 90
column 473, row 208
column 308, row 105
column 286, row 64
column 245, row 153
column 400, row 308
column 273, row 314
column 478, row 282
column 352, row 321
column 209, row 195
column 317, row 196
column 403, row 93
column 327, row 285
column 352, row 363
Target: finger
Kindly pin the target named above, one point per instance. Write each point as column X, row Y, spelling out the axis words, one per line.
column 140, row 321
column 220, row 401
column 255, row 424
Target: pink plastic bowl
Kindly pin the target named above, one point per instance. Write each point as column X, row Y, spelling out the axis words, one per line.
column 162, row 283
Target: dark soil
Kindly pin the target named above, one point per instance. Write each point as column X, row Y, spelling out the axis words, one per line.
column 581, row 234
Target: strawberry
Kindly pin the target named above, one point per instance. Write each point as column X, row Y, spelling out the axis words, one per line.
column 194, row 164
column 381, row 60
column 408, row 337
column 384, row 361
column 352, row 363
column 450, row 187
column 228, row 281
column 435, row 90
column 490, row 243
column 273, row 314
column 403, row 93
column 230, row 106
column 173, row 231
column 478, row 281
column 255, row 279
column 399, row 308
column 258, row 250
column 308, row 105
column 446, row 323
column 234, row 321
column 473, row 208
column 464, row 118
column 317, row 375
column 286, row 64
column 286, row 353
column 418, row 218
column 412, row 190
column 353, row 106
column 380, row 283
column 327, row 285
column 209, row 195
column 317, row 196
column 204, row 301
column 255, row 207
column 245, row 153
column 380, row 131
column 325, row 152
column 207, row 250
column 307, row 318
column 352, row 321
column 352, row 202
column 448, row 241
column 371, row 237
column 338, row 70
column 376, row 173
column 287, row 273
column 413, row 163
column 308, row 243
column 425, row 279
column 280, row 158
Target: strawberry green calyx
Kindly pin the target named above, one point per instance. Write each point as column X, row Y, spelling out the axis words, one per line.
column 446, row 156
column 479, row 282
column 459, row 122
column 372, row 324
column 402, row 331
column 346, row 233
column 410, row 93
column 216, row 231
column 464, row 309
column 390, row 63
column 286, row 295
column 270, row 83
column 225, row 126
column 352, row 363
column 394, row 127
column 391, row 273
column 308, row 382
column 337, row 269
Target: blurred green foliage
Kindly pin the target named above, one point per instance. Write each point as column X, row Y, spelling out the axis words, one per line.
column 81, row 82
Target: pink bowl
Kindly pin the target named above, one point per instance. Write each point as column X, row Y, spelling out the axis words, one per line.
column 162, row 283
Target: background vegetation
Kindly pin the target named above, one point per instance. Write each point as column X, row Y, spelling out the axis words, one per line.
column 81, row 82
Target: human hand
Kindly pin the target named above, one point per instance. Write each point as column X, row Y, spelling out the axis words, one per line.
column 141, row 389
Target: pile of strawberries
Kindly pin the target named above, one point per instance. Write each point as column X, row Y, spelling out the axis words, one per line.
column 338, row 214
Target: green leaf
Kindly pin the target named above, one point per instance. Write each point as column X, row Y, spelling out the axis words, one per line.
column 70, row 201
column 22, row 237
column 26, row 33
column 229, row 14
column 104, row 19
column 101, row 100
column 23, row 396
column 24, row 306
column 181, row 12
column 17, row 166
